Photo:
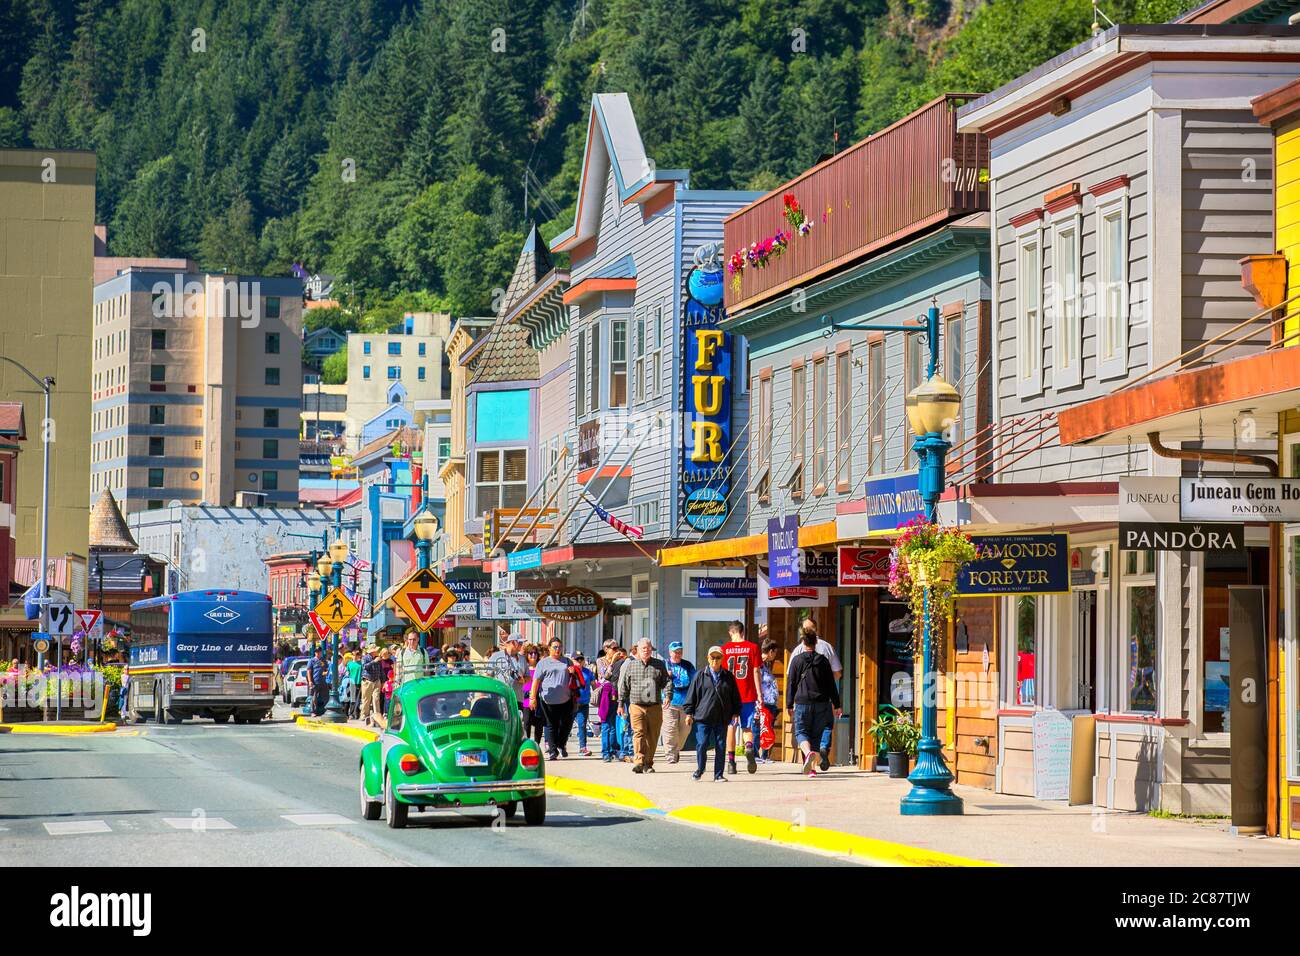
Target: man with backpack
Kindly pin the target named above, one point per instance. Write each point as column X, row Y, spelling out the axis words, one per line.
column 813, row 700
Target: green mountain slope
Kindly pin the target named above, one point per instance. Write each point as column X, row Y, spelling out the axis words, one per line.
column 403, row 146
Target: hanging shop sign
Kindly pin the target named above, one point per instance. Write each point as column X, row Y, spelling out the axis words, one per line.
column 569, row 604
column 893, row 500
column 819, row 569
column 507, row 607
column 524, row 560
column 791, row 597
column 1018, row 564
column 1182, row 536
column 726, row 589
column 1239, row 499
column 468, row 591
column 588, row 445
column 502, row 581
column 706, row 394
column 1150, row 519
column 783, row 551
column 863, row 568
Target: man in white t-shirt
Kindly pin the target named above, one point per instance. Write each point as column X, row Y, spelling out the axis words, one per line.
column 823, row 648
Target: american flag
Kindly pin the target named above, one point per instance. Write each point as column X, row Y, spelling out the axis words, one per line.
column 622, row 527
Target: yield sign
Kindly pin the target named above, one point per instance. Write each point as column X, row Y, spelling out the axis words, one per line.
column 423, row 598
column 322, row 628
column 336, row 610
column 91, row 622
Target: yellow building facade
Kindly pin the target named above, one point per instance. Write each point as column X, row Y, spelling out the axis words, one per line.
column 47, row 223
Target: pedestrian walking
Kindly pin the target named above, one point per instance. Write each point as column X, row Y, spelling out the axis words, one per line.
column 584, row 702
column 609, row 654
column 412, row 662
column 823, row 646
column 602, row 695
column 318, row 672
column 641, row 683
column 533, row 720
column 813, row 700
column 712, row 702
column 743, row 659
column 771, row 691
column 553, row 688
column 386, row 687
column 372, row 680
column 680, row 673
column 622, row 724
column 355, row 679
column 507, row 661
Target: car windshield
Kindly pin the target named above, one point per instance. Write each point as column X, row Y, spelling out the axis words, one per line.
column 463, row 705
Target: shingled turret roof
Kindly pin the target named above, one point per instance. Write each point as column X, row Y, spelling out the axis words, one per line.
column 108, row 530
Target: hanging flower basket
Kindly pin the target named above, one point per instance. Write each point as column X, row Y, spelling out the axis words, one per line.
column 929, row 554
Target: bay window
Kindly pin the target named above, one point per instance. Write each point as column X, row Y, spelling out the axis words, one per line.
column 821, row 415
column 843, row 418
column 618, row 363
column 798, row 425
column 500, row 479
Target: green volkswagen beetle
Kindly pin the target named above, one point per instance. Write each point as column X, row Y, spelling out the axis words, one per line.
column 453, row 740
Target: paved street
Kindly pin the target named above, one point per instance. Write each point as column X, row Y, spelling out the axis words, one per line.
column 208, row 794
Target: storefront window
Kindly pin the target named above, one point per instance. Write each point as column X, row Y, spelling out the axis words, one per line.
column 1292, row 658
column 1139, row 632
column 1026, row 650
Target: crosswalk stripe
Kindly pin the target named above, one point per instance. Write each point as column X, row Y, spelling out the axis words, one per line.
column 316, row 819
column 198, row 823
column 74, row 827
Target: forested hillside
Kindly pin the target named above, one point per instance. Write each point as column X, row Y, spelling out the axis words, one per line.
column 393, row 143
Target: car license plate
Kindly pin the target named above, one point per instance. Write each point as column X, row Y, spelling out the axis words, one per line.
column 241, row 677
column 471, row 758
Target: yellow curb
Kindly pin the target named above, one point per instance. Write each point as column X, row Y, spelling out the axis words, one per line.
column 596, row 791
column 343, row 730
column 832, row 841
column 103, row 728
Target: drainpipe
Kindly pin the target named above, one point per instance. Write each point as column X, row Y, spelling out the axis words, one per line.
column 1226, row 457
column 1271, row 825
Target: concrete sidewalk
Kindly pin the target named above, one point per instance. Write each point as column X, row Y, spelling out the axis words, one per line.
column 852, row 811
column 1015, row 831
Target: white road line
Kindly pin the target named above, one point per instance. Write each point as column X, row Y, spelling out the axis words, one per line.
column 74, row 827
column 198, row 823
column 316, row 819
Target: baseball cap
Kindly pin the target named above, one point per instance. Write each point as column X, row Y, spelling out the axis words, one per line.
column 715, row 650
column 675, row 646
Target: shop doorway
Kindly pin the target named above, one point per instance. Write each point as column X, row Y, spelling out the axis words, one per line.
column 894, row 654
column 1085, row 650
column 844, row 749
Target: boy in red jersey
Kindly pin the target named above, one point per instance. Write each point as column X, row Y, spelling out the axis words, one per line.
column 745, row 662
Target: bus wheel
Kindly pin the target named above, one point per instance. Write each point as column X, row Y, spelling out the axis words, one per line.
column 222, row 718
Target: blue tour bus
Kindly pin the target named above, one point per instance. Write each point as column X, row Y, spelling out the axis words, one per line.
column 201, row 654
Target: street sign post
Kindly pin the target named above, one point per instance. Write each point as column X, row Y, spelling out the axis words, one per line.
column 92, row 623
column 60, row 619
column 336, row 610
column 321, row 627
column 423, row 598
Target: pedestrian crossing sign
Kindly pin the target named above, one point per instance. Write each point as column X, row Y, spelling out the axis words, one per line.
column 336, row 610
column 423, row 598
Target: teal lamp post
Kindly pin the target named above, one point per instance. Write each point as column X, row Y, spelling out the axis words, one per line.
column 332, row 562
column 425, row 528
column 931, row 408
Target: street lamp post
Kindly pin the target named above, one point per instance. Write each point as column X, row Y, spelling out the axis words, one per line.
column 46, row 385
column 334, row 559
column 424, row 526
column 931, row 408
